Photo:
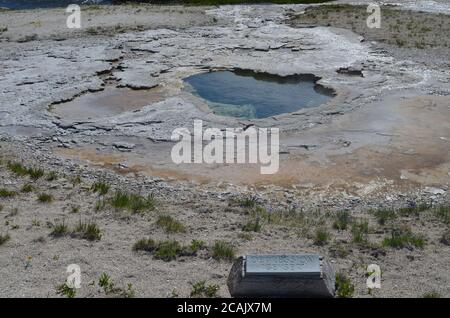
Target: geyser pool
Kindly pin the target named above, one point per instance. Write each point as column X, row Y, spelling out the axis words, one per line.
column 246, row 94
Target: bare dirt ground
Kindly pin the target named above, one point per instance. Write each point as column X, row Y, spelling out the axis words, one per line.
column 363, row 178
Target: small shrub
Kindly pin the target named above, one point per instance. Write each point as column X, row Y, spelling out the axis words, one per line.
column 45, row 198
column 101, row 188
column 193, row 248
column 167, row 250
column 4, row 238
column 147, row 245
column 65, row 290
column 344, row 287
column 5, row 193
column 403, row 237
column 59, row 229
column 200, row 289
column 343, row 219
column 321, row 237
column 222, row 250
column 170, row 225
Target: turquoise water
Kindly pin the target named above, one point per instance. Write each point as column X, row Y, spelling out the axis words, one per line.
column 246, row 94
column 31, row 4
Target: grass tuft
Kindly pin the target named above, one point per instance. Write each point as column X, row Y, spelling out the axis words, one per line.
column 147, row 245
column 51, row 176
column 252, row 226
column 384, row 215
column 413, row 209
column 17, row 168
column 193, row 248
column 443, row 213
column 222, row 250
column 35, row 173
column 200, row 289
column 5, row 193
column 88, row 231
column 167, row 250
column 360, row 231
column 244, row 202
column 170, row 225
column 342, row 221
column 4, row 238
column 344, row 287
column 321, row 237
column 45, row 198
column 101, row 188
column 403, row 237
column 27, row 188
column 65, row 290
column 59, row 229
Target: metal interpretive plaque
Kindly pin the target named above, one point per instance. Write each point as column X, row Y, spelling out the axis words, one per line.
column 307, row 265
column 288, row 275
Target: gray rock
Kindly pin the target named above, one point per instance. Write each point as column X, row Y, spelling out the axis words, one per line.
column 293, row 275
column 120, row 145
column 435, row 191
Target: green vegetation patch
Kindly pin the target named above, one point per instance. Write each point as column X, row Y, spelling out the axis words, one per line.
column 170, row 225
column 222, row 250
column 202, row 290
column 344, row 286
column 132, row 202
column 403, row 237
